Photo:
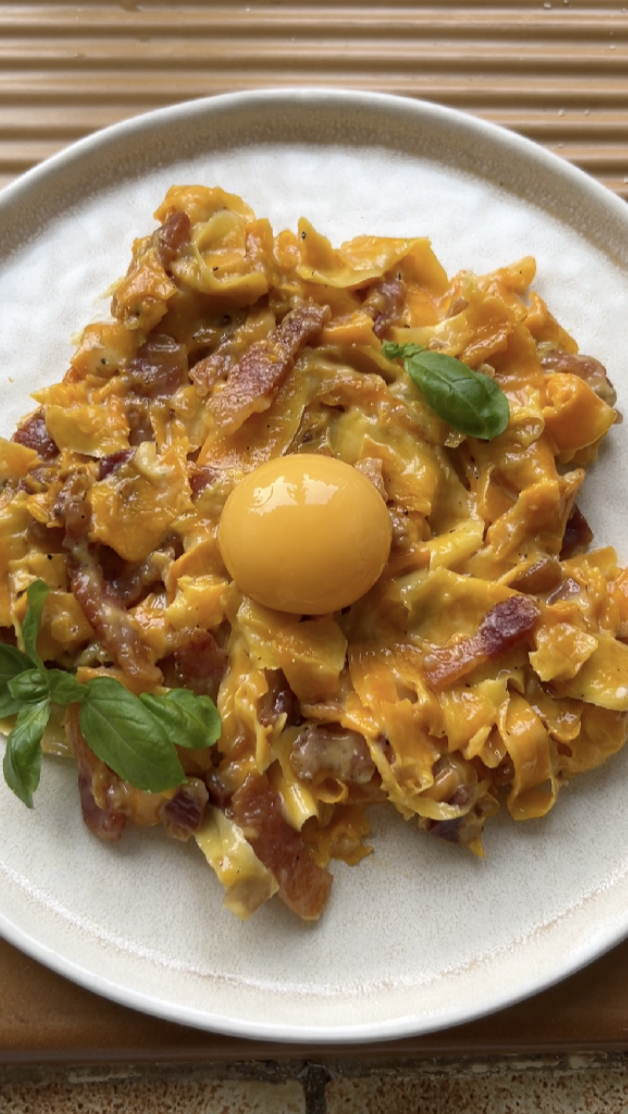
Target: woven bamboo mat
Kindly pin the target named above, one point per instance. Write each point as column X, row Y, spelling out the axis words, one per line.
column 555, row 71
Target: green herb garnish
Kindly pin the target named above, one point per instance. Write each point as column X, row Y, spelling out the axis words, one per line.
column 135, row 736
column 471, row 402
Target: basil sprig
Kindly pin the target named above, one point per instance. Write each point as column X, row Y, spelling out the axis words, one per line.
column 134, row 735
column 471, row 402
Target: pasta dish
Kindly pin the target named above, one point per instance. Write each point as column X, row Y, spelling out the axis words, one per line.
column 296, row 535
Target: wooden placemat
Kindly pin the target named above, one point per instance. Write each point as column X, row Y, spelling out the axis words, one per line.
column 45, row 1019
column 554, row 71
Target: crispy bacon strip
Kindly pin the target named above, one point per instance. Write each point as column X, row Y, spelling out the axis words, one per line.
column 461, row 829
column 198, row 663
column 202, row 476
column 506, row 624
column 224, row 338
column 105, row 612
column 567, row 587
column 578, row 534
column 159, row 368
column 130, row 583
column 183, row 815
column 108, row 464
column 34, row 435
column 209, row 371
column 171, row 236
column 303, row 886
column 253, row 381
column 542, row 576
column 280, row 700
column 385, row 304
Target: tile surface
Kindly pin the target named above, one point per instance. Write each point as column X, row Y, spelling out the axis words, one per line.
column 571, row 1088
column 172, row 1095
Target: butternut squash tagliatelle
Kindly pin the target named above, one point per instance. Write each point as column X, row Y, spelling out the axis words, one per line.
column 399, row 605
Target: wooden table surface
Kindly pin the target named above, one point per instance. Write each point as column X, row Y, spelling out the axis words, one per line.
column 554, row 71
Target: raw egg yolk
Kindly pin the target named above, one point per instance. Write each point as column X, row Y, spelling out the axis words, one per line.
column 305, row 533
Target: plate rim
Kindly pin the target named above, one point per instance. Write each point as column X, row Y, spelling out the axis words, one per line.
column 314, row 94
column 306, row 96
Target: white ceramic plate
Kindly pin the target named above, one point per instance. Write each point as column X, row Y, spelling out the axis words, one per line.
column 419, row 936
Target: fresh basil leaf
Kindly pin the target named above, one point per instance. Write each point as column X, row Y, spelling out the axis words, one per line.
column 471, row 402
column 61, row 687
column 29, row 687
column 124, row 734
column 22, row 757
column 64, row 687
column 36, row 594
column 135, row 737
column 393, row 351
column 189, row 720
column 197, row 707
column 9, row 706
column 12, row 662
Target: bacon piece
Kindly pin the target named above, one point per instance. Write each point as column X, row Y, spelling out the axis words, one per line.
column 214, row 368
column 39, row 478
column 303, row 886
column 183, row 815
column 449, row 781
column 130, row 582
column 171, row 236
column 461, row 829
column 329, row 750
column 385, row 303
column 219, row 791
column 105, row 612
column 198, row 663
column 108, row 464
column 34, row 435
column 542, row 576
column 586, row 367
column 253, row 381
column 221, row 339
column 568, row 587
column 159, row 368
column 72, row 508
column 47, row 538
column 578, row 534
column 77, row 518
column 467, row 827
column 201, row 477
column 280, row 700
column 107, row 823
column 506, row 624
